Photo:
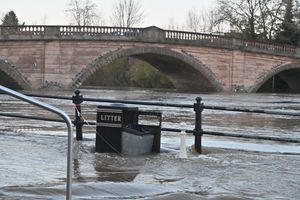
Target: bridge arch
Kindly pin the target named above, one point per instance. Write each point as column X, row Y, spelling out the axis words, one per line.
column 290, row 73
column 183, row 70
column 11, row 76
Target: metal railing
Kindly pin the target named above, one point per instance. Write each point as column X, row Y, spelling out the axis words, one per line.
column 197, row 107
column 66, row 119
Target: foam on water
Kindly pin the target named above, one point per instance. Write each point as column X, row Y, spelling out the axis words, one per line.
column 33, row 154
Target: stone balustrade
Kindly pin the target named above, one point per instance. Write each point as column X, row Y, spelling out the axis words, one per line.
column 150, row 34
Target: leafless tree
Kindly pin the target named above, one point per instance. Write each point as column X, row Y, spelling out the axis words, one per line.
column 173, row 25
column 214, row 25
column 253, row 18
column 193, row 21
column 204, row 21
column 270, row 17
column 82, row 12
column 241, row 14
column 127, row 13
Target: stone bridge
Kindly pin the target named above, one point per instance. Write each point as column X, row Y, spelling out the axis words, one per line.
column 33, row 57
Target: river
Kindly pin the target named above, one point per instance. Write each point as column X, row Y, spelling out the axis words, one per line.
column 33, row 153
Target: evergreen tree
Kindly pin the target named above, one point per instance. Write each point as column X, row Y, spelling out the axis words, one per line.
column 10, row 19
column 288, row 33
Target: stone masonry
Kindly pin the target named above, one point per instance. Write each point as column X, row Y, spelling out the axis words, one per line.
column 67, row 63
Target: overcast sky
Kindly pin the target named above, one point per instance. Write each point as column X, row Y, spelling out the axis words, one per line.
column 51, row 12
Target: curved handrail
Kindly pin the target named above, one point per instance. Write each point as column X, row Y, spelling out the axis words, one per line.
column 63, row 115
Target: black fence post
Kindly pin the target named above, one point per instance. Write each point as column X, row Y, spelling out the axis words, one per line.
column 198, row 108
column 77, row 100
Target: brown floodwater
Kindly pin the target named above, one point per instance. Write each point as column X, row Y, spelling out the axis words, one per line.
column 33, row 153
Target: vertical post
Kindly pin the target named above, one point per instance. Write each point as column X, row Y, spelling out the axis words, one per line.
column 77, row 100
column 198, row 108
column 273, row 83
column 182, row 149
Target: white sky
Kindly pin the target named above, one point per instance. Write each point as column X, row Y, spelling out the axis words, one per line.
column 51, row 12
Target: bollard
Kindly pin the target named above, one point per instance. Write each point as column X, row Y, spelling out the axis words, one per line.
column 182, row 151
column 198, row 108
column 77, row 100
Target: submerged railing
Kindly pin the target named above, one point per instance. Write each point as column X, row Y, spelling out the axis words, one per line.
column 197, row 107
column 66, row 119
column 148, row 34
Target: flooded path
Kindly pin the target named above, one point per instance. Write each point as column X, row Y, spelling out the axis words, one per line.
column 33, row 153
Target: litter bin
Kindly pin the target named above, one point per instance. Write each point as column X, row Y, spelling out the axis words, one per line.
column 118, row 130
column 136, row 140
column 110, row 122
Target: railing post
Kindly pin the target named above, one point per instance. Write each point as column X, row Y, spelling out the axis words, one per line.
column 297, row 52
column 198, row 108
column 52, row 31
column 77, row 100
column 152, row 34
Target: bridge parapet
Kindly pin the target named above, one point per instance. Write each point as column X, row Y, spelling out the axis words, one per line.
column 150, row 34
column 229, row 42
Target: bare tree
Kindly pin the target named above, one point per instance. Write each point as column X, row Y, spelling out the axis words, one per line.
column 193, row 20
column 240, row 14
column 173, row 25
column 214, row 25
column 82, row 12
column 127, row 13
column 270, row 18
column 252, row 18
column 205, row 21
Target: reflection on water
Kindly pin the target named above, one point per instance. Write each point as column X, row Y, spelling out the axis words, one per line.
column 33, row 153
